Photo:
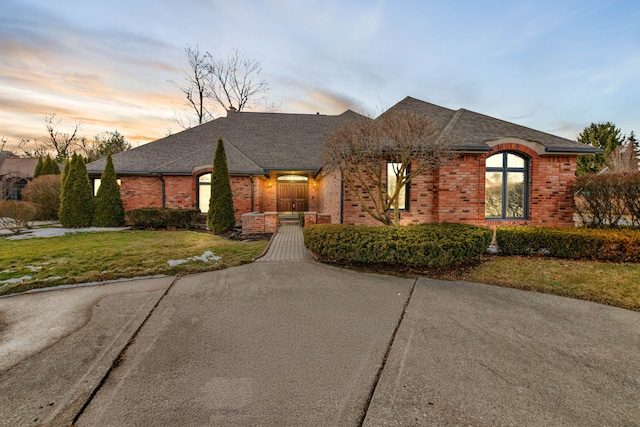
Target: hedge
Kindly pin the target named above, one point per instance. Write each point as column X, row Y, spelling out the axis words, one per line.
column 416, row 246
column 608, row 200
column 163, row 218
column 573, row 243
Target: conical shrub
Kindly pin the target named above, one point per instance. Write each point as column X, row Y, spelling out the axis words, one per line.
column 77, row 204
column 109, row 208
column 221, row 216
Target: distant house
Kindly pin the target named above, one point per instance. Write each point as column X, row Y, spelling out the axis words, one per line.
column 504, row 173
column 15, row 173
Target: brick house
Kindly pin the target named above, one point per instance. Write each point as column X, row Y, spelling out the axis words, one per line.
column 15, row 173
column 504, row 173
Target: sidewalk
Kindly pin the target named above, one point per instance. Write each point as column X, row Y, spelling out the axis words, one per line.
column 287, row 245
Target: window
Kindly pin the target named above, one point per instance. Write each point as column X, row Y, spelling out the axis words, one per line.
column 96, row 185
column 506, row 186
column 392, row 182
column 204, row 192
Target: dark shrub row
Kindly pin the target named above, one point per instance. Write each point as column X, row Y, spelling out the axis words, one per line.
column 163, row 218
column 605, row 245
column 608, row 200
column 424, row 245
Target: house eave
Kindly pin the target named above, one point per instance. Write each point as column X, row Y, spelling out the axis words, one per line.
column 572, row 150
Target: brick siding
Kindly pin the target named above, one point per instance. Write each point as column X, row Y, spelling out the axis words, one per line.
column 455, row 192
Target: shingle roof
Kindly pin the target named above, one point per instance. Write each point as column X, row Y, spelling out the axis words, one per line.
column 471, row 131
column 17, row 166
column 256, row 143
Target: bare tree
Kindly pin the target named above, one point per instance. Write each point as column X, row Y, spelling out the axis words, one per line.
column 623, row 159
column 232, row 82
column 377, row 159
column 103, row 143
column 32, row 149
column 64, row 144
column 196, row 86
column 235, row 81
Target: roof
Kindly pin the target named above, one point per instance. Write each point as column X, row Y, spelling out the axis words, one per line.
column 256, row 143
column 473, row 131
column 10, row 165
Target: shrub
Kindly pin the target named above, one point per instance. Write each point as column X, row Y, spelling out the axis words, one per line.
column 109, row 208
column 608, row 199
column 221, row 216
column 16, row 215
column 163, row 218
column 38, row 170
column 573, row 243
column 44, row 192
column 419, row 246
column 76, row 201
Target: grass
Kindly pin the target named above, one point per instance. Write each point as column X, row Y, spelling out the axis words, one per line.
column 616, row 284
column 89, row 257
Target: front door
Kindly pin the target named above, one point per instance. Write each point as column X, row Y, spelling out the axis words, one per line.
column 292, row 196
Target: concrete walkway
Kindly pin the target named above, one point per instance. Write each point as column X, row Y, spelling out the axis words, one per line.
column 287, row 245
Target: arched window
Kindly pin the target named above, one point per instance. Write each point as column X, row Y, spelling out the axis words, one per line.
column 204, row 192
column 506, row 186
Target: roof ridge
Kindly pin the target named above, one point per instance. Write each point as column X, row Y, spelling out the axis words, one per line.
column 244, row 155
column 516, row 124
column 209, row 145
column 450, row 125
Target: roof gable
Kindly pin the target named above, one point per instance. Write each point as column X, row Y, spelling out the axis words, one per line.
column 473, row 131
column 254, row 143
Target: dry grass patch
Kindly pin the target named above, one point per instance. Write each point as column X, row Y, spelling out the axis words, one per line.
column 616, row 284
column 89, row 257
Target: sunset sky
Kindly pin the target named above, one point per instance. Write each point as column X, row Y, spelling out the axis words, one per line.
column 555, row 66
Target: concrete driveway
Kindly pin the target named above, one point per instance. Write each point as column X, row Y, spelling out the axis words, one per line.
column 301, row 343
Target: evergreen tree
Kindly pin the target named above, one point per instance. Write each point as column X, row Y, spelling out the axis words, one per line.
column 221, row 215
column 109, row 208
column 65, row 207
column 50, row 166
column 77, row 205
column 46, row 165
column 38, row 170
column 634, row 142
column 600, row 135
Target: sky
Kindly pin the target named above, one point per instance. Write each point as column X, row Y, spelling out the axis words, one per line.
column 555, row 66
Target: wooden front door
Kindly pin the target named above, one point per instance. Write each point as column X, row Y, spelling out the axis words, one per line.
column 292, row 197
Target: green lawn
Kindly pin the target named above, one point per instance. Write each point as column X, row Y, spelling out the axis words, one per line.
column 88, row 257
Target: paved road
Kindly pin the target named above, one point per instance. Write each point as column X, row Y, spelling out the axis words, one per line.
column 301, row 343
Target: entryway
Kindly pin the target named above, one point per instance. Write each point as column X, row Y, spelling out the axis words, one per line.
column 292, row 193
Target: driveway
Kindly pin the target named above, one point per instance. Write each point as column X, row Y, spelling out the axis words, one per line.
column 301, row 343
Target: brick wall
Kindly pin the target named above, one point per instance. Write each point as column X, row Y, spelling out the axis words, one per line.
column 140, row 192
column 329, row 189
column 259, row 222
column 268, row 201
column 181, row 192
column 313, row 195
column 455, row 192
column 460, row 190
